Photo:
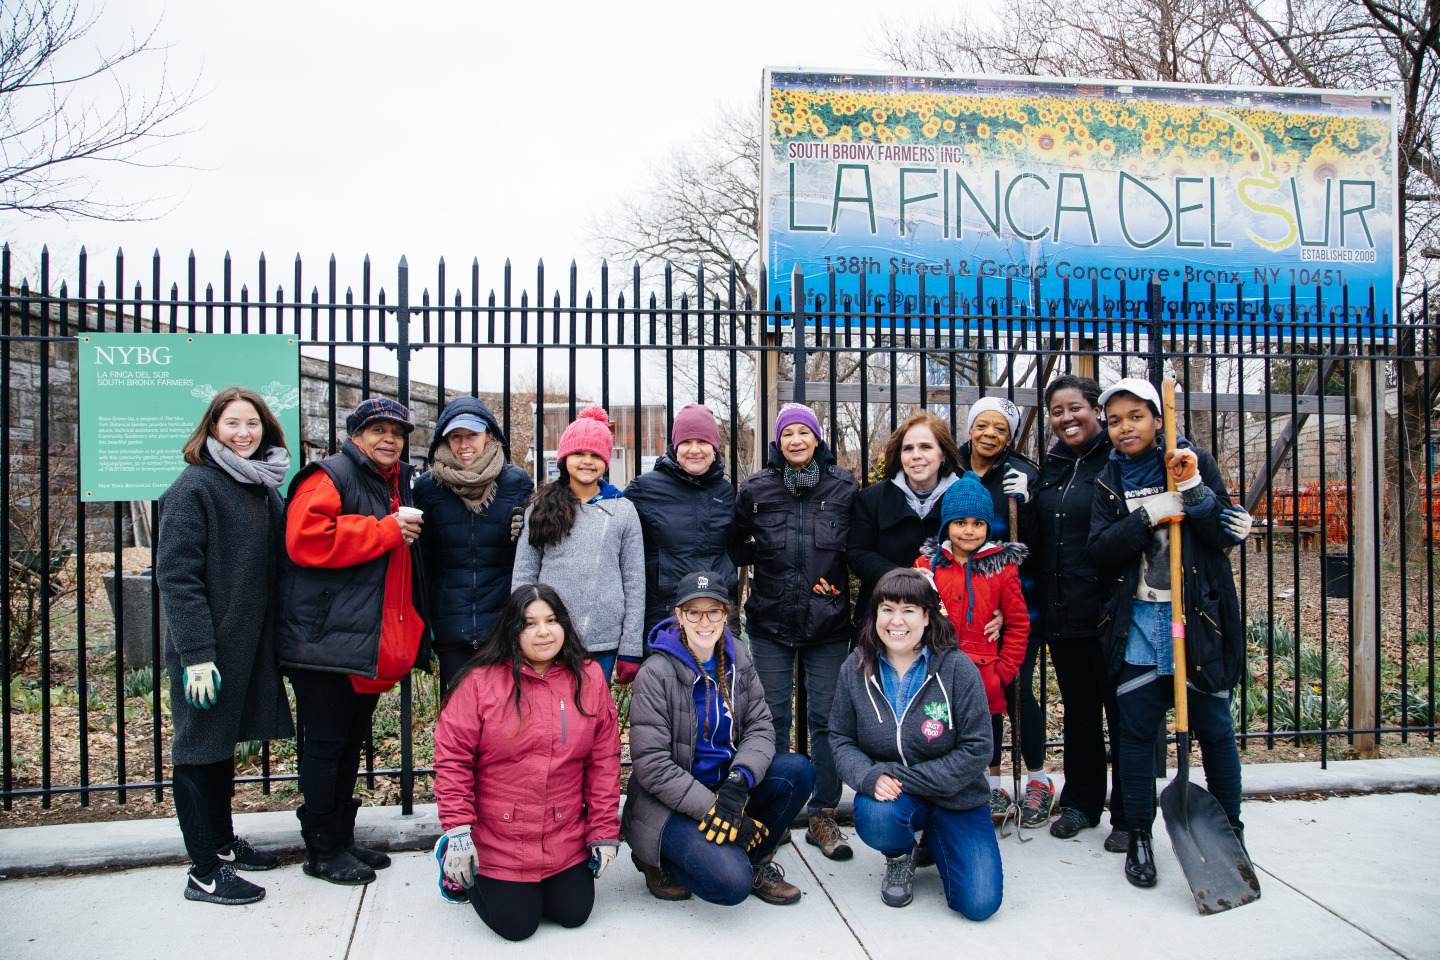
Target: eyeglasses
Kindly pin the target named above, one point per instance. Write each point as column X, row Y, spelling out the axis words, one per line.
column 695, row 616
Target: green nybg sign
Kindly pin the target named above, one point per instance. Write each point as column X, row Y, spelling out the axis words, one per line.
column 142, row 394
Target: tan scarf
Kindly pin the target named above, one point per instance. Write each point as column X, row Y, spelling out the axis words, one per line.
column 474, row 485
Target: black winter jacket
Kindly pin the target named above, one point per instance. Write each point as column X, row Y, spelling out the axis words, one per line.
column 686, row 523
column 1067, row 583
column 797, row 541
column 885, row 535
column 1214, row 637
column 329, row 618
column 468, row 556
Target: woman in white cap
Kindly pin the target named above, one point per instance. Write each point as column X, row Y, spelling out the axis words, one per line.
column 989, row 451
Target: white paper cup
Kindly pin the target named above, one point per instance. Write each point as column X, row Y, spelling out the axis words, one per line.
column 415, row 512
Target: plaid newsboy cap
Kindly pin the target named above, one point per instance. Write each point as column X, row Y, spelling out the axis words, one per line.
column 377, row 408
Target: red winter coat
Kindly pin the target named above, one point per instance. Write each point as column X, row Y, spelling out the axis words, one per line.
column 535, row 798
column 994, row 585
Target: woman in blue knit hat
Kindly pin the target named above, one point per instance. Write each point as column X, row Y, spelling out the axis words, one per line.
column 976, row 578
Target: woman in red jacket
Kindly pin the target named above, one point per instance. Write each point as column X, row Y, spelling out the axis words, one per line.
column 527, row 771
column 976, row 578
column 348, row 624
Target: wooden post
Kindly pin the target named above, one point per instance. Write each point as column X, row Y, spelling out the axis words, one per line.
column 1369, row 452
column 1084, row 363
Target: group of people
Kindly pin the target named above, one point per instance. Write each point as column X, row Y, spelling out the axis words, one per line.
column 968, row 558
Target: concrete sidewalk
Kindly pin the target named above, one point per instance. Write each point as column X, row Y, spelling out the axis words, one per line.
column 1347, row 877
column 135, row 843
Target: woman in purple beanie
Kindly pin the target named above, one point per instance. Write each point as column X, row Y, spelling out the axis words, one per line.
column 792, row 522
column 686, row 509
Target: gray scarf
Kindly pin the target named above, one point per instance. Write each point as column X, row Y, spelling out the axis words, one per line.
column 923, row 507
column 269, row 472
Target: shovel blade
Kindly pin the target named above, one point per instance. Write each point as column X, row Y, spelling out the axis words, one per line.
column 1219, row 872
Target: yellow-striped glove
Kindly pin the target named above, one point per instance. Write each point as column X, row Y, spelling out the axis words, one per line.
column 721, row 823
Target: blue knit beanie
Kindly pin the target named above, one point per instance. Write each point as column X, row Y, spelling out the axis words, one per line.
column 966, row 497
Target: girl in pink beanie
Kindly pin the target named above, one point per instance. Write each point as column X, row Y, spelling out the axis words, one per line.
column 582, row 537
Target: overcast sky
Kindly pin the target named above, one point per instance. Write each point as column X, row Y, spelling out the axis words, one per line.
column 432, row 128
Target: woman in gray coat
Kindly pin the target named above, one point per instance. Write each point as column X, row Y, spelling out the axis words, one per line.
column 222, row 525
column 709, row 801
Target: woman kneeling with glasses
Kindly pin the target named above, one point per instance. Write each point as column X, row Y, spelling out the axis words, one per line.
column 709, row 800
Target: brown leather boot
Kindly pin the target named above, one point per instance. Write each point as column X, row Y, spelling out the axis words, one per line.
column 659, row 882
column 771, row 885
column 825, row 834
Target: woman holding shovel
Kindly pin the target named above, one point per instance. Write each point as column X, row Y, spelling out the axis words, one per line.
column 1130, row 540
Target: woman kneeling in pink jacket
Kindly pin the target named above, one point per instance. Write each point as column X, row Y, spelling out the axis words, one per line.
column 527, row 772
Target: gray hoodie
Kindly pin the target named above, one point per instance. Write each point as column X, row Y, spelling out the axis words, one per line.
column 941, row 752
column 598, row 570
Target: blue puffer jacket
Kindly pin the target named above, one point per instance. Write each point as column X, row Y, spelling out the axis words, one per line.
column 468, row 556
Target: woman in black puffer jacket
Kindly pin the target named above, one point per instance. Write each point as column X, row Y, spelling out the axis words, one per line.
column 686, row 509
column 472, row 497
column 1069, row 589
column 797, row 509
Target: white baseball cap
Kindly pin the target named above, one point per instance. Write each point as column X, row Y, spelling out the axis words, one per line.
column 1143, row 389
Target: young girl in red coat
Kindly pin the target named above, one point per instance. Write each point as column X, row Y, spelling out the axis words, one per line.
column 975, row 578
column 527, row 772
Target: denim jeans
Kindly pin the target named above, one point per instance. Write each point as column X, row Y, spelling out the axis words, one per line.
column 723, row 873
column 963, row 842
column 607, row 663
column 1141, row 710
column 775, row 663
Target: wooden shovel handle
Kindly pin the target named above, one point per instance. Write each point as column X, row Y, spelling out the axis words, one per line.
column 1177, row 569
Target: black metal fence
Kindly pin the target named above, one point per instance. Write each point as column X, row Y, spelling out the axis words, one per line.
column 1318, row 408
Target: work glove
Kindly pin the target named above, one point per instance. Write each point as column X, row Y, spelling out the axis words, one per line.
column 626, row 670
column 1184, row 469
column 1237, row 523
column 600, row 856
column 202, row 685
column 721, row 823
column 751, row 834
column 1163, row 507
column 1016, row 485
column 517, row 523
column 458, row 859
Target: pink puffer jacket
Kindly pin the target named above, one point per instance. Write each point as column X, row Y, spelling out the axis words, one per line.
column 537, row 789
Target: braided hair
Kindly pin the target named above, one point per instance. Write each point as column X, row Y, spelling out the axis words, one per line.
column 722, row 663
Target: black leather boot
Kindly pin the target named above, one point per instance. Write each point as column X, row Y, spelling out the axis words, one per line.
column 1140, row 859
column 1239, row 829
column 371, row 858
column 325, row 853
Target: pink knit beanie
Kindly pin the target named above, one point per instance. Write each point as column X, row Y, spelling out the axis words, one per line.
column 590, row 433
column 695, row 422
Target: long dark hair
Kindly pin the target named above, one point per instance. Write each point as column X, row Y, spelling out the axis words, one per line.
column 552, row 511
column 911, row 587
column 502, row 645
column 270, row 433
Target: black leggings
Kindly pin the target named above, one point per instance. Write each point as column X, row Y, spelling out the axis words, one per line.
column 337, row 720
column 1032, row 724
column 451, row 660
column 203, row 792
column 513, row 909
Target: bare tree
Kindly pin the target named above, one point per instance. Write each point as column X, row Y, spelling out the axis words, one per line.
column 701, row 206
column 64, row 111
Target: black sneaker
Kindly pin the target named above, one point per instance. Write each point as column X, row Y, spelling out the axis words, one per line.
column 240, row 855
column 222, row 886
column 1070, row 822
column 1118, row 841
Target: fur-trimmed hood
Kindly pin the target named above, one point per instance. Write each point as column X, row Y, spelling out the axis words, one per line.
column 989, row 560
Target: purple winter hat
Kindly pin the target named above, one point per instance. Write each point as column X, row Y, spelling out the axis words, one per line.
column 797, row 413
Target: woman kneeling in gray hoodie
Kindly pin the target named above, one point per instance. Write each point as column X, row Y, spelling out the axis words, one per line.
column 908, row 672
